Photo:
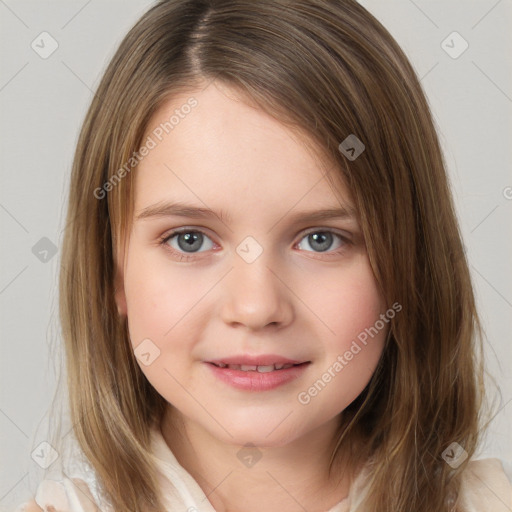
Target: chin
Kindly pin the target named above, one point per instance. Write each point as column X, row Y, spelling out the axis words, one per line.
column 263, row 434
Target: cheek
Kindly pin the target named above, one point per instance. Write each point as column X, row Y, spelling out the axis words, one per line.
column 357, row 310
column 166, row 316
column 146, row 302
column 346, row 305
column 157, row 299
column 353, row 336
column 159, row 310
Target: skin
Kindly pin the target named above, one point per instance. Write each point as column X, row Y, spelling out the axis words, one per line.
column 294, row 300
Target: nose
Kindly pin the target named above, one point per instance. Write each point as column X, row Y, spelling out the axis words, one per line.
column 256, row 296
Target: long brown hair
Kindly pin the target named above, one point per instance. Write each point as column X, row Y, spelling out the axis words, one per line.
column 331, row 70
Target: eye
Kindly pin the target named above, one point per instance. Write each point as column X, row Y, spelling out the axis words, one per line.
column 322, row 241
column 186, row 241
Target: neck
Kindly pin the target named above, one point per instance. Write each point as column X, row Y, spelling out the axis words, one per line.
column 291, row 477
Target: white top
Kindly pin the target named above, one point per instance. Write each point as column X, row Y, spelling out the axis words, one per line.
column 485, row 488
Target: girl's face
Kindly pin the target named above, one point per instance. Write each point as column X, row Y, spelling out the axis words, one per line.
column 266, row 277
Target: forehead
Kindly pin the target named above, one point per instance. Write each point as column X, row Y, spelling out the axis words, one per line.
column 210, row 146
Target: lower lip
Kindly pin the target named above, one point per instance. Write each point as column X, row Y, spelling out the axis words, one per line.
column 256, row 381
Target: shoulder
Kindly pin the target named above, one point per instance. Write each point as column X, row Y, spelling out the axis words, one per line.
column 65, row 495
column 30, row 506
column 485, row 487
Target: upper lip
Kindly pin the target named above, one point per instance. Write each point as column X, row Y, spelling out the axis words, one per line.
column 261, row 360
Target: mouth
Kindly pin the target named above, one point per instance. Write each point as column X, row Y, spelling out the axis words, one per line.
column 257, row 377
column 258, row 368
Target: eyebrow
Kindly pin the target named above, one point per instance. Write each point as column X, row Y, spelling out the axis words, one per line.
column 179, row 209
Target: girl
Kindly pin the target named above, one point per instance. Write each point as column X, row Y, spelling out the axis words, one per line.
column 264, row 297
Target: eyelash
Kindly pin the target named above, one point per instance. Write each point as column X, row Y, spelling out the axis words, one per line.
column 187, row 257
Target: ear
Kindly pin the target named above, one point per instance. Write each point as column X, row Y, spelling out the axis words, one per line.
column 119, row 292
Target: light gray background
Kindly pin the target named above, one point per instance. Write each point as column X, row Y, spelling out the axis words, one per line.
column 43, row 102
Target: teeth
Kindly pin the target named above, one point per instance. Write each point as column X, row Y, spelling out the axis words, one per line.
column 283, row 366
column 252, row 368
column 265, row 369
